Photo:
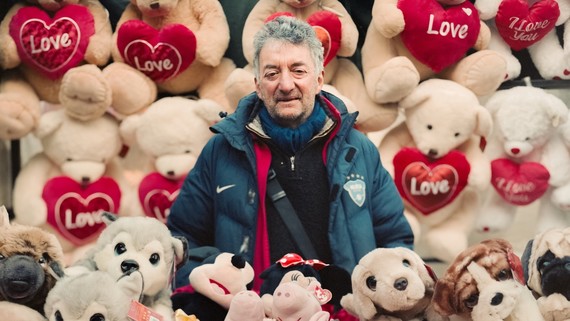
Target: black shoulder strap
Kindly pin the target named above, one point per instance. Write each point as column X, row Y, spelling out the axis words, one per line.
column 289, row 216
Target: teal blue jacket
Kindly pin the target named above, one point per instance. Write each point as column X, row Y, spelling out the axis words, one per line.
column 219, row 202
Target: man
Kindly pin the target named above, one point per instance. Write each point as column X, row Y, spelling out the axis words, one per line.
column 330, row 172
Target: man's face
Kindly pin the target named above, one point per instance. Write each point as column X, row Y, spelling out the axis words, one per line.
column 287, row 82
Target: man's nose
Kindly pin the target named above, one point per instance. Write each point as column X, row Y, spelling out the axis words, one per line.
column 286, row 82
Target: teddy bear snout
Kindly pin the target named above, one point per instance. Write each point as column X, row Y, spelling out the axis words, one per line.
column 129, row 266
column 20, row 278
column 401, row 284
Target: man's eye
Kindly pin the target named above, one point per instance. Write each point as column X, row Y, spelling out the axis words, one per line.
column 271, row 75
column 299, row 71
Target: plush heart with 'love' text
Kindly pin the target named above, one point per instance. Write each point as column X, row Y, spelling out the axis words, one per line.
column 519, row 184
column 156, row 195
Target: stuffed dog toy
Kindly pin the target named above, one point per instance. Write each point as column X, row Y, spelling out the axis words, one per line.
column 30, row 264
column 391, row 284
column 481, row 284
column 143, row 244
column 546, row 263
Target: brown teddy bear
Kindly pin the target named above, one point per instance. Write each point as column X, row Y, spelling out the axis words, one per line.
column 409, row 41
column 178, row 45
column 437, row 164
column 39, row 42
column 339, row 36
column 30, row 266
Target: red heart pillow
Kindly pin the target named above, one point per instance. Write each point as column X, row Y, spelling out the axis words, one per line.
column 519, row 184
column 75, row 210
column 426, row 184
column 328, row 28
column 436, row 36
column 156, row 195
column 521, row 26
column 159, row 54
column 52, row 45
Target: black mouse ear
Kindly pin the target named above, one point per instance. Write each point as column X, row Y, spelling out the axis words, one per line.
column 525, row 259
column 337, row 280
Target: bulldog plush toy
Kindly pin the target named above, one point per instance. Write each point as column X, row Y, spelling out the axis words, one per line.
column 31, row 262
column 437, row 164
column 339, row 36
column 485, row 282
column 409, row 41
column 391, row 284
column 546, row 261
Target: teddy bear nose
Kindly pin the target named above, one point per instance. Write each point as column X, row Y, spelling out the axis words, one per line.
column 497, row 299
column 401, row 284
column 155, row 5
column 432, row 152
column 129, row 266
column 85, row 180
column 170, row 173
column 515, row 150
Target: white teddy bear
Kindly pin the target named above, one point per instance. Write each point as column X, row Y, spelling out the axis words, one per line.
column 171, row 134
column 437, row 164
column 64, row 188
column 527, row 155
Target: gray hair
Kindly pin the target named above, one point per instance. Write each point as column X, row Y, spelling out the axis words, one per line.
column 290, row 30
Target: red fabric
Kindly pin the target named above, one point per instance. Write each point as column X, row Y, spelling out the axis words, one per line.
column 337, row 118
column 430, row 184
column 156, row 195
column 75, row 210
column 159, row 54
column 519, row 184
column 261, row 257
column 439, row 37
column 521, row 26
column 340, row 315
column 52, row 46
column 328, row 28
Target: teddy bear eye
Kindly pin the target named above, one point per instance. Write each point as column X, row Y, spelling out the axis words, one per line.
column 430, row 127
column 120, row 248
column 371, row 283
column 456, row 134
column 504, row 275
column 527, row 139
column 406, row 263
column 97, row 317
column 154, row 258
column 187, row 151
column 471, row 301
column 58, row 316
column 69, row 159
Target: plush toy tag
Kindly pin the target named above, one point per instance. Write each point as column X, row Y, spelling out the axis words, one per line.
column 521, row 26
column 75, row 210
column 439, row 36
column 159, row 54
column 328, row 28
column 52, row 46
column 516, row 267
column 156, row 195
column 426, row 184
column 139, row 312
column 519, row 184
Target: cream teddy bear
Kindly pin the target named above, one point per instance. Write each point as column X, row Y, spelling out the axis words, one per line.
column 176, row 44
column 39, row 42
column 437, row 164
column 528, row 156
column 171, row 134
column 339, row 36
column 64, row 187
column 405, row 45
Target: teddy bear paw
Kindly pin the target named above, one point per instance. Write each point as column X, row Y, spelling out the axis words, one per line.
column 445, row 244
column 393, row 81
column 561, row 199
column 85, row 93
column 554, row 307
column 482, row 72
column 493, row 221
column 16, row 118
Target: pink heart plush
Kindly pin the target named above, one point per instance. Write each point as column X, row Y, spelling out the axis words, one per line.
column 160, row 54
column 52, row 45
column 75, row 210
column 426, row 184
column 521, row 26
column 519, row 184
column 439, row 36
column 156, row 195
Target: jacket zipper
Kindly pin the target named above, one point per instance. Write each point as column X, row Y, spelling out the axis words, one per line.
column 292, row 163
column 244, row 245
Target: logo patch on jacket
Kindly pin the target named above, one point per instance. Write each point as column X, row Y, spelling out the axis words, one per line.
column 356, row 189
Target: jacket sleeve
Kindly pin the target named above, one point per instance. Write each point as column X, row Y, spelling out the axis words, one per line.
column 191, row 214
column 391, row 228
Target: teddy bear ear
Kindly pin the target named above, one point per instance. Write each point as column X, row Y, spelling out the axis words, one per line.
column 4, row 217
column 209, row 111
column 556, row 110
column 484, row 122
column 417, row 97
column 128, row 128
column 49, row 122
